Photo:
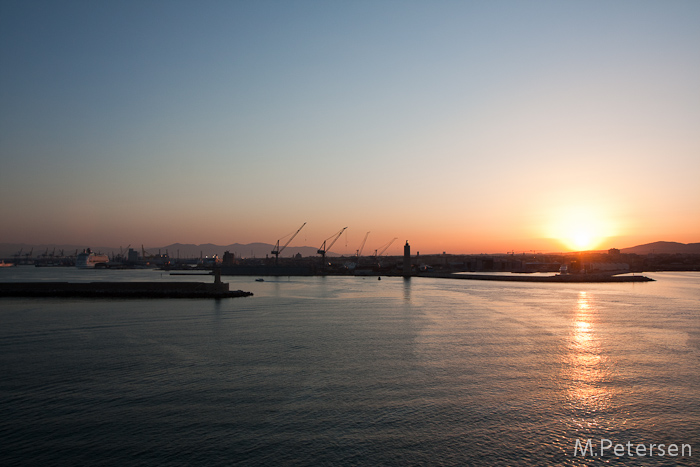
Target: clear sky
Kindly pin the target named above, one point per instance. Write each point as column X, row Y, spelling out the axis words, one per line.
column 460, row 126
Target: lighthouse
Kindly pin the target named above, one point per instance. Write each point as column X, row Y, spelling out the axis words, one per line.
column 407, row 260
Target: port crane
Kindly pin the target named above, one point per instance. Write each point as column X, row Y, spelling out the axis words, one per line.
column 123, row 253
column 323, row 249
column 279, row 250
column 362, row 246
column 378, row 252
column 146, row 254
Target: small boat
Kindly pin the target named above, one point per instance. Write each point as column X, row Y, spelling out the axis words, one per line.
column 260, row 279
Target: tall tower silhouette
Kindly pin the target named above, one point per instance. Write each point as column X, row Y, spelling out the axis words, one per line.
column 407, row 260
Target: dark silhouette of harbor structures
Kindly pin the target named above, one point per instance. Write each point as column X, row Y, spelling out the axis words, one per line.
column 579, row 267
column 611, row 262
column 406, row 260
column 218, row 289
column 119, row 290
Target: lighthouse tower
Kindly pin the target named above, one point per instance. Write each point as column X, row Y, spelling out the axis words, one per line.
column 407, row 260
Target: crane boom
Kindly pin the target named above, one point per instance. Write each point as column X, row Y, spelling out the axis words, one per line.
column 322, row 249
column 384, row 248
column 362, row 246
column 145, row 254
column 279, row 250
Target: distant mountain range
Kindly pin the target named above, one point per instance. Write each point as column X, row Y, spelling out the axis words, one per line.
column 664, row 248
column 261, row 250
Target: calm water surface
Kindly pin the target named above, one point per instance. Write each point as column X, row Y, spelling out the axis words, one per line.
column 350, row 371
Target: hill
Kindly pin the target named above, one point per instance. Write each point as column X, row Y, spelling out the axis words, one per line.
column 664, row 248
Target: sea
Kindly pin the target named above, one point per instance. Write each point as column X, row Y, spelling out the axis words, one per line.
column 353, row 371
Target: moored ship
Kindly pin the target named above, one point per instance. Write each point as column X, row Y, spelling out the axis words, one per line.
column 89, row 259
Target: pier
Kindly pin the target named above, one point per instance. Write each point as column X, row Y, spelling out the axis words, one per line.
column 120, row 290
column 559, row 278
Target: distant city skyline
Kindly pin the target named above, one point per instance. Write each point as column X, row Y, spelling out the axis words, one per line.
column 466, row 127
column 26, row 252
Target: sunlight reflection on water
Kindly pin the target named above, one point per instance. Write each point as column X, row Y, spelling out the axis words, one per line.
column 589, row 371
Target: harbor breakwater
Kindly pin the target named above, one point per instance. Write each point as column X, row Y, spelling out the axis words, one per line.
column 120, row 290
column 566, row 278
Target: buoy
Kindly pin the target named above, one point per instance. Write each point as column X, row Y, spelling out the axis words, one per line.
column 379, row 278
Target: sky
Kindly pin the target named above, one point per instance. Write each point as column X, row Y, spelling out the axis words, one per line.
column 460, row 126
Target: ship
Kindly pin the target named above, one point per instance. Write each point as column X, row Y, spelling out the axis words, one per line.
column 89, row 259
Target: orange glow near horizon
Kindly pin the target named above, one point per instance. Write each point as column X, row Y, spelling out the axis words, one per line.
column 582, row 228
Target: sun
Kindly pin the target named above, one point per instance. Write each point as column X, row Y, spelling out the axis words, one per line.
column 580, row 228
column 583, row 240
